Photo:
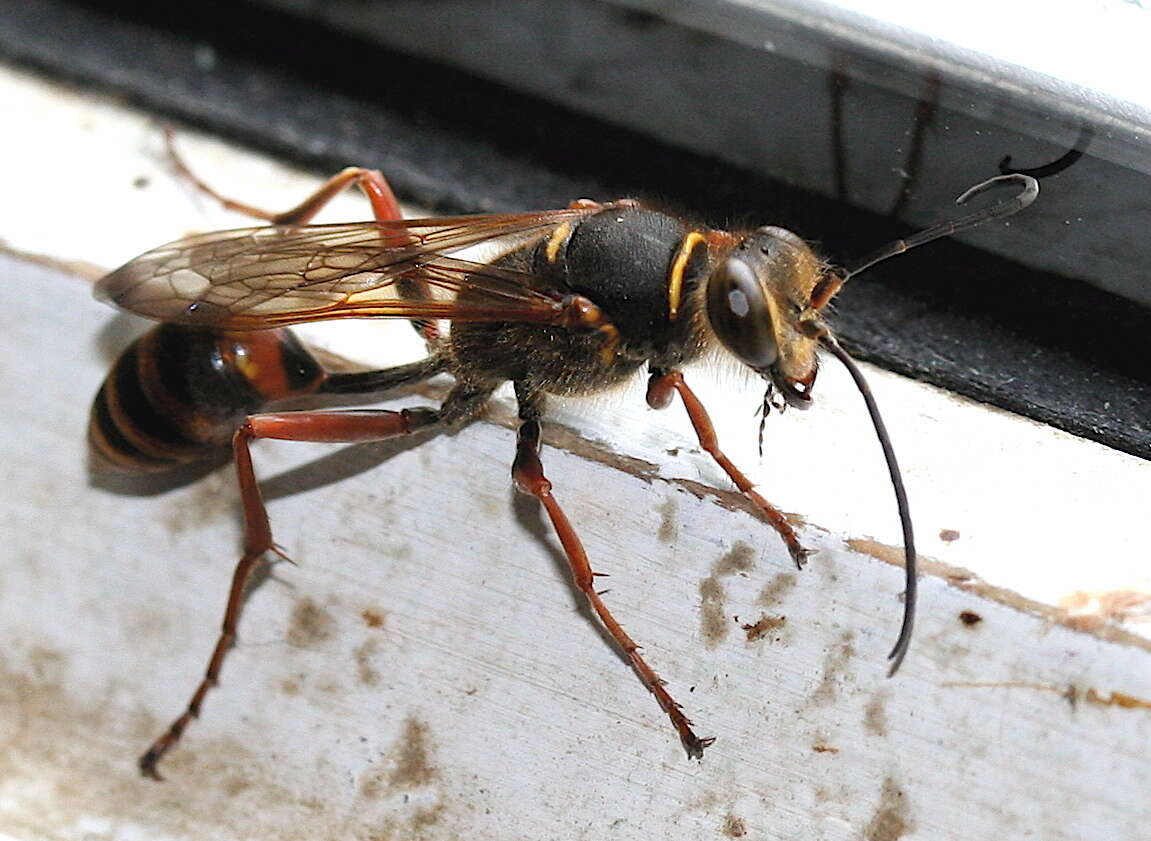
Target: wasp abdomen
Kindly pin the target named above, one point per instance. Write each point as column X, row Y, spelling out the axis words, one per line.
column 177, row 393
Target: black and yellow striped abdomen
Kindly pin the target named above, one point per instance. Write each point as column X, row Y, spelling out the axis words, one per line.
column 177, row 393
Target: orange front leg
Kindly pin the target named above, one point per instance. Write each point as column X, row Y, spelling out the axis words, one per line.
column 659, row 392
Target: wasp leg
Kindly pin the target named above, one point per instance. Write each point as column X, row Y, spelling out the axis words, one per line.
column 385, row 208
column 384, row 205
column 329, row 427
column 527, row 471
column 659, row 389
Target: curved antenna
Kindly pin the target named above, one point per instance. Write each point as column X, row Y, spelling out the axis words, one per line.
column 826, row 288
column 899, row 651
column 1029, row 189
column 823, row 292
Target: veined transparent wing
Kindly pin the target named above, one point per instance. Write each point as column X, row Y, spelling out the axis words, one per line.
column 270, row 276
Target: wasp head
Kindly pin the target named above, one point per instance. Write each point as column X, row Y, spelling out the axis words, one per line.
column 763, row 303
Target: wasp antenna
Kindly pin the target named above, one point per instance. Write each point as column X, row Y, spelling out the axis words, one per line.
column 899, row 651
column 1029, row 190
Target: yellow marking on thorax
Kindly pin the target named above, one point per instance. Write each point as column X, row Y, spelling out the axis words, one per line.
column 556, row 241
column 678, row 267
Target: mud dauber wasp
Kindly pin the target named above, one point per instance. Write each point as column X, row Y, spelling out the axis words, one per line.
column 573, row 302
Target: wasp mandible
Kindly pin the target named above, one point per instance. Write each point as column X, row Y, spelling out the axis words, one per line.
column 575, row 301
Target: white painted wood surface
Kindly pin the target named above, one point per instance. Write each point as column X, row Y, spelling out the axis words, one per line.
column 426, row 670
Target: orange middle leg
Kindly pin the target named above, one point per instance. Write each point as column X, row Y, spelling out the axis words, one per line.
column 528, row 474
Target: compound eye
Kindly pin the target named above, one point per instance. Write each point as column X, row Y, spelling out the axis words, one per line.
column 740, row 315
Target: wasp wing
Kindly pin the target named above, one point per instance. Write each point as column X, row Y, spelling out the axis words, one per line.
column 270, row 276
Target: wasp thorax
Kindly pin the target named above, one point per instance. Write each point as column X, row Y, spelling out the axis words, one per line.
column 755, row 299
